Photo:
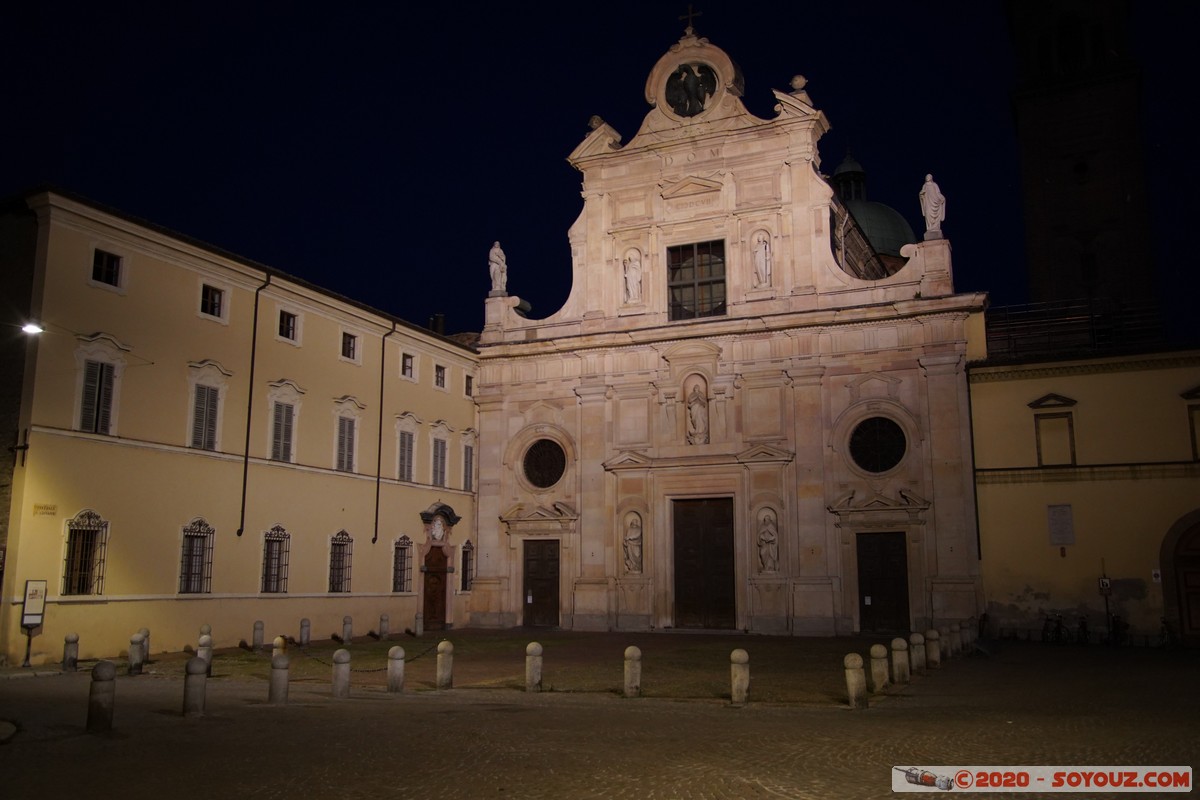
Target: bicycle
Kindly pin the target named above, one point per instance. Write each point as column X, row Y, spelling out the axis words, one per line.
column 1082, row 635
column 1053, row 630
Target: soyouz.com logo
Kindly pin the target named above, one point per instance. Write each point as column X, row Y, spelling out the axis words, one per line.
column 1042, row 779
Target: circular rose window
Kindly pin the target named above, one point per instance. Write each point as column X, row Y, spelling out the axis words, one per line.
column 877, row 444
column 544, row 463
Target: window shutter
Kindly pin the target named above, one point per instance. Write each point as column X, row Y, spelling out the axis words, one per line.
column 106, row 398
column 406, row 456
column 281, row 444
column 345, row 444
column 204, row 419
column 91, row 384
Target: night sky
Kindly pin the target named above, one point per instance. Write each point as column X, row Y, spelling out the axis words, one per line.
column 378, row 150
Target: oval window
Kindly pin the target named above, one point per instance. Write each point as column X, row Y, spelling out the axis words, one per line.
column 877, row 444
column 544, row 464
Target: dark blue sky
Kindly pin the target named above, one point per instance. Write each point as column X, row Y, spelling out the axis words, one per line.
column 378, row 150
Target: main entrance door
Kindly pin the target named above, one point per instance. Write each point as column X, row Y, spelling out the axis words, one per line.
column 541, row 583
column 704, row 578
column 434, row 610
column 882, row 582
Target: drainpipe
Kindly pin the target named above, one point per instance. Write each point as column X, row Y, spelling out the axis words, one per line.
column 250, row 407
column 379, row 443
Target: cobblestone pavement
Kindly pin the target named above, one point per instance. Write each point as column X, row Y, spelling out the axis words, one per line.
column 1027, row 704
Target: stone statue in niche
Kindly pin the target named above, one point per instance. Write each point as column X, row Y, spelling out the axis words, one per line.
column 632, row 266
column 437, row 529
column 933, row 208
column 697, row 416
column 498, row 268
column 633, row 544
column 762, row 259
column 768, row 542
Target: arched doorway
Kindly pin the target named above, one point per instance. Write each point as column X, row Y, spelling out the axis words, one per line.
column 435, row 569
column 1180, row 559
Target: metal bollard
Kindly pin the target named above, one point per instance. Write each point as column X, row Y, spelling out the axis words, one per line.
column 633, row 672
column 419, row 624
column 879, row 668
column 739, row 677
column 533, row 667
column 136, row 654
column 341, row 673
column 71, row 652
column 856, row 681
column 257, row 639
column 278, row 646
column 305, row 632
column 933, row 648
column 277, row 694
column 445, row 665
column 916, row 653
column 900, row 670
column 145, row 632
column 395, row 669
column 347, row 629
column 384, row 624
column 102, row 697
column 195, row 683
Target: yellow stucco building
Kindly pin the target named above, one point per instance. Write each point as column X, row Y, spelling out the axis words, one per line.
column 205, row 440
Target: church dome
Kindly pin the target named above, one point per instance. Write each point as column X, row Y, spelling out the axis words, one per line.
column 885, row 227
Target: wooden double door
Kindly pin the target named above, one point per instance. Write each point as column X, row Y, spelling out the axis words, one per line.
column 541, row 586
column 705, row 594
column 882, row 583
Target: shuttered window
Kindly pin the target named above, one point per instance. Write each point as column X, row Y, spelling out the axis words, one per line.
column 406, row 456
column 281, row 435
column 95, row 414
column 345, row 444
column 204, row 418
column 439, row 462
column 468, row 467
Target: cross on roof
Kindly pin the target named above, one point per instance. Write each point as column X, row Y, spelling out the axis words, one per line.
column 689, row 17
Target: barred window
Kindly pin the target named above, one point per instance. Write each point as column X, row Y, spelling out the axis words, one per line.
column 83, row 567
column 195, row 564
column 468, row 566
column 402, row 565
column 276, row 543
column 340, row 551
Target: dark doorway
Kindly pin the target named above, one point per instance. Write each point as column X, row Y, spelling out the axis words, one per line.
column 541, row 583
column 704, row 578
column 882, row 583
column 435, row 589
column 1187, row 581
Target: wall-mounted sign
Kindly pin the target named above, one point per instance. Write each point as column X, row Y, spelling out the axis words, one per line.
column 1105, row 586
column 1061, row 522
column 45, row 510
column 35, row 604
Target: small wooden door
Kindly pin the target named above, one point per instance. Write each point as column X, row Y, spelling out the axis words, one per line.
column 1187, row 582
column 435, row 589
column 704, row 566
column 540, row 593
column 882, row 583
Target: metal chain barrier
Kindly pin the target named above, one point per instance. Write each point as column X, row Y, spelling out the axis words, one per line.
column 293, row 647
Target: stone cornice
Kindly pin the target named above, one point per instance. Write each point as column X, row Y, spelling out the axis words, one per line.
column 1096, row 366
column 1100, row 472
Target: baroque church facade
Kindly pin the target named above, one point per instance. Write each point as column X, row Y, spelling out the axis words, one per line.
column 742, row 417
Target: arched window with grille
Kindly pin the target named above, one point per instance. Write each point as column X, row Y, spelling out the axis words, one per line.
column 195, row 560
column 468, row 566
column 276, row 544
column 83, row 565
column 402, row 562
column 341, row 548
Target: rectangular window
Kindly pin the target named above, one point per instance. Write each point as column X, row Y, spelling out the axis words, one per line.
column 468, row 566
column 275, row 561
column 204, row 418
column 95, row 410
column 83, row 570
column 439, row 376
column 106, row 268
column 212, row 301
column 1055, row 439
column 402, row 565
column 439, row 462
column 339, row 562
column 408, row 365
column 287, row 325
column 195, row 566
column 696, row 280
column 469, row 386
column 468, row 467
column 349, row 346
column 281, row 435
column 406, row 456
column 345, row 444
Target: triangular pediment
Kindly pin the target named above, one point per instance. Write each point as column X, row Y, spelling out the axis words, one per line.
column 905, row 500
column 556, row 512
column 764, row 453
column 627, row 460
column 1052, row 401
column 689, row 186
